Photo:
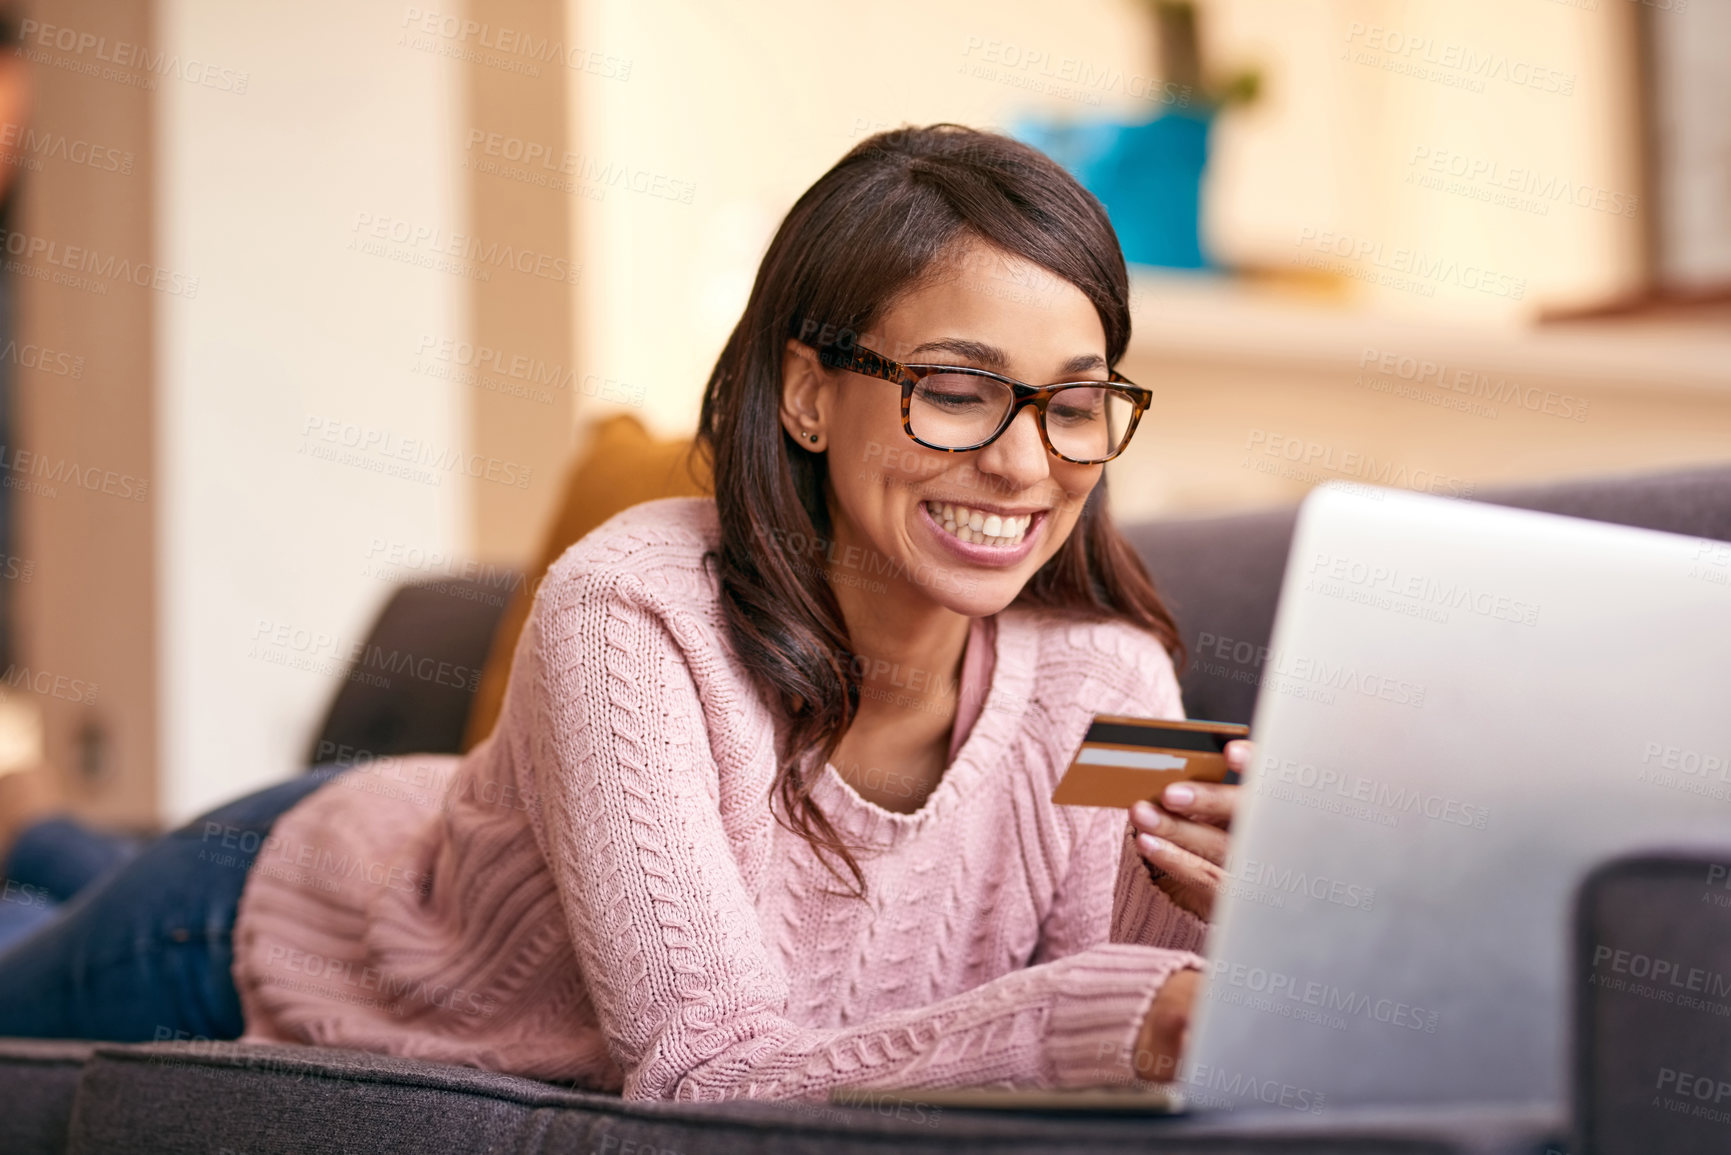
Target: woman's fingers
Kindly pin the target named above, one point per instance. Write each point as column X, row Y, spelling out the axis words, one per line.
column 1239, row 752
column 1199, row 838
column 1179, row 863
column 1186, row 877
column 1210, row 802
column 1188, row 852
column 1184, row 836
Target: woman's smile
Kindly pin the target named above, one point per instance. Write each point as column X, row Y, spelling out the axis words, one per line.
column 983, row 535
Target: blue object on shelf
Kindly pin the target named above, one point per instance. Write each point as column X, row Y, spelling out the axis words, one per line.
column 1149, row 177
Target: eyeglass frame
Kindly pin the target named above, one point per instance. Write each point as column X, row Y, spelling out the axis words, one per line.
column 858, row 359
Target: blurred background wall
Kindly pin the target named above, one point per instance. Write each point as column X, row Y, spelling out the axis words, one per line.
column 371, row 271
column 301, row 328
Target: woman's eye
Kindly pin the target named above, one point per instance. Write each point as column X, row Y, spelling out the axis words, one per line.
column 1076, row 406
column 952, row 392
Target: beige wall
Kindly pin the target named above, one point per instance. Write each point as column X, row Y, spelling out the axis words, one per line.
column 302, row 411
column 1367, row 100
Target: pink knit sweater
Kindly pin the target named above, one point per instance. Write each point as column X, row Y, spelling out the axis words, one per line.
column 599, row 892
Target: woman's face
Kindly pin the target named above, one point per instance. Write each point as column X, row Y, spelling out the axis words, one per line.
column 962, row 530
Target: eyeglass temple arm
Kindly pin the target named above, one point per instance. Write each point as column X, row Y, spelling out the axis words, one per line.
column 859, row 359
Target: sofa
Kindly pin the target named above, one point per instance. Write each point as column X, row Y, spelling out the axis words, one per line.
column 1220, row 576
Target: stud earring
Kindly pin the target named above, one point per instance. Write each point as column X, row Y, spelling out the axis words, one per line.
column 813, row 438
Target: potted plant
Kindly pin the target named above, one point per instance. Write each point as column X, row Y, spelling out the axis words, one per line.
column 1149, row 174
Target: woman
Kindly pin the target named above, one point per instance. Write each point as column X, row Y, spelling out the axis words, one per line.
column 768, row 807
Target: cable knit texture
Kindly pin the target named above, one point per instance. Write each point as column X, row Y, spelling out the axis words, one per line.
column 600, row 894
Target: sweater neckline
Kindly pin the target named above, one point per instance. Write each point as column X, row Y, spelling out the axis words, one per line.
column 1015, row 652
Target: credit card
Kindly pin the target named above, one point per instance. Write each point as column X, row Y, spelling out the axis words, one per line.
column 1125, row 760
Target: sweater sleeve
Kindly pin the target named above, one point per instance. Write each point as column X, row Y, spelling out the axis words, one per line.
column 1108, row 895
column 687, row 994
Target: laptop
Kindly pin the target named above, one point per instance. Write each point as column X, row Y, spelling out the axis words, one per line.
column 1465, row 708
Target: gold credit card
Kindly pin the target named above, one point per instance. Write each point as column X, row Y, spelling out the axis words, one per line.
column 1126, row 760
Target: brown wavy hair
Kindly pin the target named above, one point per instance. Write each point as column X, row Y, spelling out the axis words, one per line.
column 869, row 230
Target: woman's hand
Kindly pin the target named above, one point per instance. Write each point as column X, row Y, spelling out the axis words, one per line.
column 1160, row 1043
column 1183, row 836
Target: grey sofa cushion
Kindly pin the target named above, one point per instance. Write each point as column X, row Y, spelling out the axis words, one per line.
column 410, row 689
column 181, row 1097
column 1220, row 576
column 38, row 1079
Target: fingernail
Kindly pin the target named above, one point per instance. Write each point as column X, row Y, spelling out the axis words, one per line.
column 1144, row 813
column 1179, row 796
column 1150, row 843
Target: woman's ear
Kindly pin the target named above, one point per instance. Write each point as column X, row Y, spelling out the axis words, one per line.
column 807, row 396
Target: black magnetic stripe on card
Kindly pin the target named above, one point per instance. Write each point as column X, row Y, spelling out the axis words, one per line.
column 1158, row 737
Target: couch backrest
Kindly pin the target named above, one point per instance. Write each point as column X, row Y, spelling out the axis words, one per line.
column 1651, row 1032
column 1221, row 576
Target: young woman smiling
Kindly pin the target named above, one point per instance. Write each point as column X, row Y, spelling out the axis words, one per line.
column 768, row 808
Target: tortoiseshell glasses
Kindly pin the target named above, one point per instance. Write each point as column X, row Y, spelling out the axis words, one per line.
column 955, row 409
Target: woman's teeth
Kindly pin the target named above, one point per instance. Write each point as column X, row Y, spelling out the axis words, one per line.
column 972, row 525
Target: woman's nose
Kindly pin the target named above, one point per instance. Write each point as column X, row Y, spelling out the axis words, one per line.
column 1018, row 457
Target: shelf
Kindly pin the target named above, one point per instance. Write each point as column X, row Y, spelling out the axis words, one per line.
column 1227, row 321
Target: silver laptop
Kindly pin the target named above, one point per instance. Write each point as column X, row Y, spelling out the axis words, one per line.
column 1464, row 709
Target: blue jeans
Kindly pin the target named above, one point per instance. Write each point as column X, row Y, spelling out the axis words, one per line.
column 146, row 950
column 49, row 863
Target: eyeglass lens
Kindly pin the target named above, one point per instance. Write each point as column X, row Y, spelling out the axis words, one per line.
column 960, row 410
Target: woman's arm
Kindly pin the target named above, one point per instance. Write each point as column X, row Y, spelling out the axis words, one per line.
column 666, row 935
